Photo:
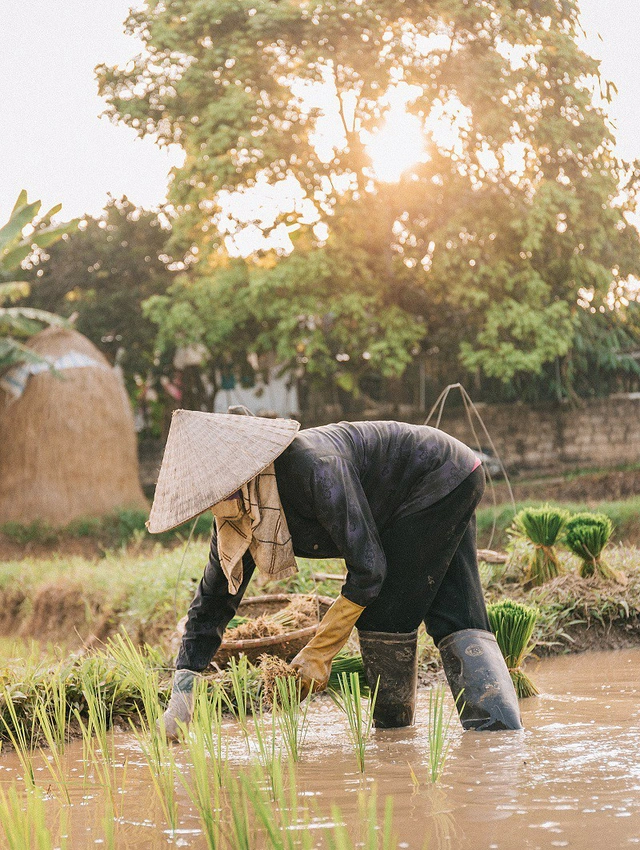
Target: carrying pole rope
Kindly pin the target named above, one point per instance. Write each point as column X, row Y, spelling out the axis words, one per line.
column 470, row 409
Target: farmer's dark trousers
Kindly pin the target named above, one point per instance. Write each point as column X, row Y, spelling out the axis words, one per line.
column 432, row 576
column 432, row 569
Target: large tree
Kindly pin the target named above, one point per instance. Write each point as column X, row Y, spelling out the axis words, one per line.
column 518, row 212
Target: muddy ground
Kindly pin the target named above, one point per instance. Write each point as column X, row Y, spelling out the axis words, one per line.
column 588, row 487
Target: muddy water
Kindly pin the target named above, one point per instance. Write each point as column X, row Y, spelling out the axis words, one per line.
column 571, row 779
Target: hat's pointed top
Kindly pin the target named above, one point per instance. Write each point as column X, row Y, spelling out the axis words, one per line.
column 208, row 457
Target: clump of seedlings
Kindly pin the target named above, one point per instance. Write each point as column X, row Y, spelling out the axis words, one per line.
column 586, row 535
column 513, row 623
column 347, row 662
column 541, row 528
column 272, row 668
column 359, row 719
column 202, row 784
column 282, row 691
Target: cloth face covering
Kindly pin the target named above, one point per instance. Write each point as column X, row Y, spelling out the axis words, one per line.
column 254, row 521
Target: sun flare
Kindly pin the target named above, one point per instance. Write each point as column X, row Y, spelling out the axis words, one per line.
column 397, row 146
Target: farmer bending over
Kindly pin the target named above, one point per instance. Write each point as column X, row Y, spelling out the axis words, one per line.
column 395, row 501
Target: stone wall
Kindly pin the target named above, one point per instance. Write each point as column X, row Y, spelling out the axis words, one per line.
column 601, row 433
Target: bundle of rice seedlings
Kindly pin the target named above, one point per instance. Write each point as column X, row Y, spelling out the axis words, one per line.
column 586, row 535
column 541, row 527
column 271, row 669
column 513, row 625
column 298, row 614
column 346, row 662
column 262, row 626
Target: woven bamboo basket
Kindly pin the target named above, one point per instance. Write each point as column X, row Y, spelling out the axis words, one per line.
column 286, row 645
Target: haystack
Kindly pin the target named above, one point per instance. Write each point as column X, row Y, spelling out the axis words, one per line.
column 67, row 443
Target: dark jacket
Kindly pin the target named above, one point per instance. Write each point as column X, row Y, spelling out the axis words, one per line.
column 342, row 485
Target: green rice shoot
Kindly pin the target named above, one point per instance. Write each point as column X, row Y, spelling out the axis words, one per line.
column 439, row 728
column 513, row 623
column 586, row 535
column 541, row 528
column 359, row 718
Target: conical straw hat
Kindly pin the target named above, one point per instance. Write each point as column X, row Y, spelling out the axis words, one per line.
column 208, row 457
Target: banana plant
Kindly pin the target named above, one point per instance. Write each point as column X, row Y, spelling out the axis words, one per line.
column 19, row 323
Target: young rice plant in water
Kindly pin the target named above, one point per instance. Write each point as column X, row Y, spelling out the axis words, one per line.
column 586, row 535
column 359, row 718
column 291, row 714
column 541, row 527
column 513, row 623
column 439, row 727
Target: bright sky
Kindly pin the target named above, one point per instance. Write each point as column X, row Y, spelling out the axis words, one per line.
column 54, row 144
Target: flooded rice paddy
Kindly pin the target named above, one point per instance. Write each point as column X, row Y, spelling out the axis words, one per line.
column 570, row 779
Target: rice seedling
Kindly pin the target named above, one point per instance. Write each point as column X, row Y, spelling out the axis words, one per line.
column 541, row 527
column 54, row 761
column 586, row 535
column 347, row 662
column 439, row 726
column 202, row 785
column 133, row 668
column 265, row 725
column 99, row 713
column 21, row 736
column 207, row 722
column 513, row 623
column 239, row 701
column 152, row 736
column 281, row 817
column 359, row 719
column 291, row 714
column 157, row 753
column 241, row 830
column 23, row 821
column 374, row 837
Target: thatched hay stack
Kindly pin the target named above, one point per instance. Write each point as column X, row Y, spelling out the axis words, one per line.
column 67, row 445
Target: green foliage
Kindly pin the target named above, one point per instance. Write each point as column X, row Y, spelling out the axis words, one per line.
column 489, row 244
column 541, row 527
column 102, row 273
column 23, row 234
column 122, row 527
column 513, row 623
column 586, row 535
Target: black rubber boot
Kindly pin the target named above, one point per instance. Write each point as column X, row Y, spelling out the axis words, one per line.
column 391, row 660
column 480, row 681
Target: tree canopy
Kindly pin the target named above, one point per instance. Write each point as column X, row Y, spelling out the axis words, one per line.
column 486, row 248
column 101, row 274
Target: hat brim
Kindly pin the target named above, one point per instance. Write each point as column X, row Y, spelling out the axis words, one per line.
column 208, row 457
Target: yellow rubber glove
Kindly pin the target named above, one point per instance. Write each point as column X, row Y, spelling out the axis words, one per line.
column 313, row 662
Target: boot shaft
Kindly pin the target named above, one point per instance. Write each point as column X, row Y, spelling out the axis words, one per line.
column 480, row 681
column 391, row 661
